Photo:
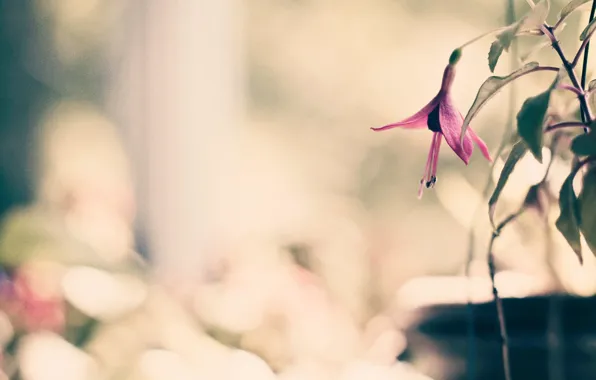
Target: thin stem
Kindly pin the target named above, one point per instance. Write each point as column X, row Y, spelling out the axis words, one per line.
column 567, row 87
column 497, row 299
column 510, row 18
column 587, row 45
column 554, row 327
column 567, row 124
column 584, row 48
column 586, row 113
column 554, row 341
column 482, row 36
column 553, row 149
column 546, row 68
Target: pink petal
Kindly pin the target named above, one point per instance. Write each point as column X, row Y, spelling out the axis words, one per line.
column 451, row 121
column 418, row 120
column 436, row 148
column 481, row 145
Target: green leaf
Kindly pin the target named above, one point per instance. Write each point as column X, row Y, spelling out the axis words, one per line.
column 536, row 198
column 529, row 22
column 569, row 8
column 517, row 152
column 585, row 144
column 568, row 222
column 530, row 121
column 490, row 88
column 587, row 201
column 587, row 33
column 495, row 51
column 503, row 42
column 532, row 116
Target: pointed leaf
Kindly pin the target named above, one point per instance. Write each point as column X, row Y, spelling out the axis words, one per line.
column 569, row 8
column 517, row 152
column 495, row 51
column 528, row 23
column 585, row 144
column 532, row 116
column 587, row 33
column 568, row 221
column 490, row 88
column 587, row 201
column 530, row 121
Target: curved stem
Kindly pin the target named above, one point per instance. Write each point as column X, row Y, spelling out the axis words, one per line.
column 567, row 124
column 482, row 36
column 576, row 91
column 545, row 68
column 583, row 47
column 587, row 47
column 497, row 299
column 553, row 149
column 586, row 113
column 510, row 18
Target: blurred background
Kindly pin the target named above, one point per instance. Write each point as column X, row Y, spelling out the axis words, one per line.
column 190, row 189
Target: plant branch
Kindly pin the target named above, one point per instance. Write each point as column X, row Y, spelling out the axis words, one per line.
column 497, row 299
column 586, row 42
column 584, row 48
column 567, row 124
column 571, row 88
column 510, row 18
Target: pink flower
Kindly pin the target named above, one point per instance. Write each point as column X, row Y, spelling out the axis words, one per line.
column 442, row 117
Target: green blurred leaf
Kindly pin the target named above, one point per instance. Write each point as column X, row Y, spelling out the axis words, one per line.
column 530, row 122
column 503, row 42
column 517, row 152
column 569, row 8
column 532, row 116
column 490, row 88
column 568, row 222
column 528, row 23
column 537, row 198
column 585, row 144
column 588, row 30
column 587, row 202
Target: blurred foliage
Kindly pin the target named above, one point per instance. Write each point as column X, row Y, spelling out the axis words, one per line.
column 321, row 224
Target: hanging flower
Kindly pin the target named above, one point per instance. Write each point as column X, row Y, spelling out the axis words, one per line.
column 442, row 117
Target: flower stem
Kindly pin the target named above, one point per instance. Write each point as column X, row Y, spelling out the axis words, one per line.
column 510, row 18
column 494, row 31
column 566, row 124
column 497, row 299
column 587, row 117
column 587, row 48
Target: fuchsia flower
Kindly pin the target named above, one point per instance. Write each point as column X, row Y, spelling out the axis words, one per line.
column 442, row 117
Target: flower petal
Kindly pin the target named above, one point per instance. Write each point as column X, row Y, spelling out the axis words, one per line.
column 418, row 120
column 481, row 145
column 451, row 121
